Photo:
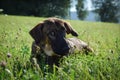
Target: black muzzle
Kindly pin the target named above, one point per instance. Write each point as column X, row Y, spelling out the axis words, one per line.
column 59, row 44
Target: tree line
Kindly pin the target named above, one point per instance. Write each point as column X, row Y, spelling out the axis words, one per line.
column 43, row 8
column 108, row 10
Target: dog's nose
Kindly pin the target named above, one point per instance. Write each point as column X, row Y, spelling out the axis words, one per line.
column 62, row 51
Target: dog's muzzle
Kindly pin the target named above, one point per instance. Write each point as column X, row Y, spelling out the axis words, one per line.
column 59, row 44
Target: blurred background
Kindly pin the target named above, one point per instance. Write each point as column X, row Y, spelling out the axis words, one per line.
column 86, row 10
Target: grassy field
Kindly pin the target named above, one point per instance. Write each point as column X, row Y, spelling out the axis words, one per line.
column 15, row 47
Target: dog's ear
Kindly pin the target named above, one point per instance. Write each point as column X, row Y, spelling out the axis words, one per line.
column 37, row 33
column 69, row 29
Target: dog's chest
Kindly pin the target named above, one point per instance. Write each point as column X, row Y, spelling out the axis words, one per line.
column 48, row 50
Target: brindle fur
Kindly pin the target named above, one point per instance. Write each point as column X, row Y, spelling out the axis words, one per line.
column 42, row 48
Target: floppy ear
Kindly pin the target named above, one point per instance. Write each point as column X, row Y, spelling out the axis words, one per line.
column 37, row 33
column 69, row 29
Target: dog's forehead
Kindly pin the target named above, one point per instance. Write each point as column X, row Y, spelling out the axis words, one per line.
column 53, row 23
column 49, row 21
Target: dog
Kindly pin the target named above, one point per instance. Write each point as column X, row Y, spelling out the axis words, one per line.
column 50, row 42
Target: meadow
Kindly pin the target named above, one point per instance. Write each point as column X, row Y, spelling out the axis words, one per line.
column 102, row 64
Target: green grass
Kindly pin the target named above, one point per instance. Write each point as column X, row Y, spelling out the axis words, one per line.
column 103, row 64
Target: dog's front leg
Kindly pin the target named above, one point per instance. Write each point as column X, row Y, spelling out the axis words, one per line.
column 36, row 57
column 52, row 60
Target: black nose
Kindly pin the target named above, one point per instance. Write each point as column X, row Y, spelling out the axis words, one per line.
column 61, row 51
column 60, row 46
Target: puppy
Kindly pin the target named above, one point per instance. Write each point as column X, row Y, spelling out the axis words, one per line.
column 50, row 38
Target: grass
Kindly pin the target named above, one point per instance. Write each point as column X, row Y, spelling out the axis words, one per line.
column 103, row 64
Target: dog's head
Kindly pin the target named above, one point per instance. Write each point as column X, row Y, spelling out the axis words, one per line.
column 53, row 31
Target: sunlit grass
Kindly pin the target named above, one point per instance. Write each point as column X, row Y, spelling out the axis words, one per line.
column 103, row 64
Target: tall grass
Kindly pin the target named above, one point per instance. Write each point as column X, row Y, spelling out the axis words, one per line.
column 15, row 48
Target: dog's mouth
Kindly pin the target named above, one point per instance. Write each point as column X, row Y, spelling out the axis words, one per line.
column 59, row 44
column 61, row 48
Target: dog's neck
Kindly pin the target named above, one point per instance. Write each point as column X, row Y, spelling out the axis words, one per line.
column 48, row 50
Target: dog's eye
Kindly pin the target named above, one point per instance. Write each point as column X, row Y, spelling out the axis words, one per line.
column 52, row 33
